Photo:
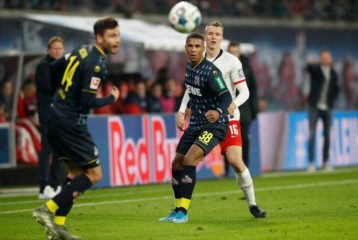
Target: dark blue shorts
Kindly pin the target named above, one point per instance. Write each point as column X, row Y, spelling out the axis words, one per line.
column 206, row 138
column 73, row 143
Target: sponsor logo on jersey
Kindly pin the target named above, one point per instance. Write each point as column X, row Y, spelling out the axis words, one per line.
column 95, row 81
column 193, row 90
column 220, row 82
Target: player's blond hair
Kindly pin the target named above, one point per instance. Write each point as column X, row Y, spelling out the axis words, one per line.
column 214, row 24
column 53, row 40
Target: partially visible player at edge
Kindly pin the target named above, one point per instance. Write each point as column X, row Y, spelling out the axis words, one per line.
column 234, row 77
column 208, row 96
column 82, row 73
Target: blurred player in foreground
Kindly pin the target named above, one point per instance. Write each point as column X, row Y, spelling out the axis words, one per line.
column 84, row 70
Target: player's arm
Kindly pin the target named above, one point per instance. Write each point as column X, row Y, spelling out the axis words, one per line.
column 217, row 84
column 243, row 95
column 180, row 117
column 237, row 73
column 90, row 85
column 184, row 102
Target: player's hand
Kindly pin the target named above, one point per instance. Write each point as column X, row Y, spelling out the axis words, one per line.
column 180, row 121
column 115, row 93
column 311, row 61
column 187, row 114
column 212, row 116
column 231, row 108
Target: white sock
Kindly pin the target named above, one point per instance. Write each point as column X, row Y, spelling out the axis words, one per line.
column 247, row 186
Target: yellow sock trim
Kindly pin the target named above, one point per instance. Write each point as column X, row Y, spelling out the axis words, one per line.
column 59, row 220
column 184, row 203
column 52, row 206
column 177, row 202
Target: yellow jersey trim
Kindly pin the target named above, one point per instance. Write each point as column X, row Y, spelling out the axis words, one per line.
column 100, row 50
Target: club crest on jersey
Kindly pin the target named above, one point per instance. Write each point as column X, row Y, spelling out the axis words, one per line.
column 95, row 81
column 197, row 82
column 97, row 69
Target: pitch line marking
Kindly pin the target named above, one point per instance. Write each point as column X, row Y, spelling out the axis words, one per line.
column 296, row 186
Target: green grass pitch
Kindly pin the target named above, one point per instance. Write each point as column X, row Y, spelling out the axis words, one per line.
column 305, row 206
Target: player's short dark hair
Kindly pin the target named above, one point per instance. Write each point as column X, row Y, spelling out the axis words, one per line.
column 102, row 24
column 53, row 40
column 195, row 35
column 214, row 24
column 233, row 44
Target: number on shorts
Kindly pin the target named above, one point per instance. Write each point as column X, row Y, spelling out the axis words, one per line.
column 206, row 137
column 233, row 130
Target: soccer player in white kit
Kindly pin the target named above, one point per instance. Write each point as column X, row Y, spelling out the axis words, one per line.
column 234, row 77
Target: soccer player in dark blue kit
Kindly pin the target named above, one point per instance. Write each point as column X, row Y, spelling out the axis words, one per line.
column 82, row 73
column 209, row 101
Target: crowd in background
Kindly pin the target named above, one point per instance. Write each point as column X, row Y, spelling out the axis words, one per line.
column 138, row 96
column 330, row 10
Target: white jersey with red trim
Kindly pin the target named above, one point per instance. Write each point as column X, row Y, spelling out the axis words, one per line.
column 232, row 73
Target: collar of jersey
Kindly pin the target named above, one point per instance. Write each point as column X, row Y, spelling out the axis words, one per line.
column 220, row 53
column 198, row 64
column 101, row 51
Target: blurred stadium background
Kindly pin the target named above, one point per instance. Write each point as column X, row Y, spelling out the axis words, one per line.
column 278, row 36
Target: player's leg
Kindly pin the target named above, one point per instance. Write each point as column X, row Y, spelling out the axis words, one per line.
column 188, row 181
column 184, row 144
column 84, row 170
column 232, row 148
column 177, row 170
column 45, row 192
column 312, row 119
column 52, row 215
column 61, row 204
column 204, row 143
column 326, row 119
column 245, row 135
column 244, row 180
column 57, row 174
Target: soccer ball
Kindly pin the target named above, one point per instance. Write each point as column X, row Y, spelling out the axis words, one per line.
column 184, row 17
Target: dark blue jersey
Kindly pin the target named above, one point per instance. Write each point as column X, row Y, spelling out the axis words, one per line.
column 81, row 73
column 204, row 84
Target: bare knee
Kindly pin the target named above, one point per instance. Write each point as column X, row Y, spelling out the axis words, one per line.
column 177, row 163
column 94, row 174
column 73, row 170
column 190, row 160
column 234, row 157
